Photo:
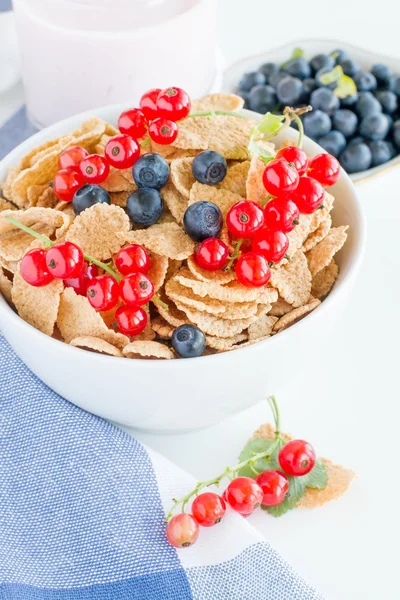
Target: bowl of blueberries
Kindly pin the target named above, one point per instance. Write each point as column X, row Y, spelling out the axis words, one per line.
column 354, row 93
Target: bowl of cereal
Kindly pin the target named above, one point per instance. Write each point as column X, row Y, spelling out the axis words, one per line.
column 251, row 313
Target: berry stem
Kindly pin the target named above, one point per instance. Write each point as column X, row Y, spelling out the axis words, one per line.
column 144, row 143
column 230, row 113
column 229, row 471
column 49, row 244
column 235, row 255
column 157, row 300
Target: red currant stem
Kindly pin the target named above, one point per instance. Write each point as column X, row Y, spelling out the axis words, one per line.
column 157, row 300
column 299, row 122
column 264, row 202
column 145, row 143
column 212, row 113
column 275, row 412
column 235, row 255
column 49, row 243
column 31, row 232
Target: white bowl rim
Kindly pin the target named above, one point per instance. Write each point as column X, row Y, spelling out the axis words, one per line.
column 338, row 290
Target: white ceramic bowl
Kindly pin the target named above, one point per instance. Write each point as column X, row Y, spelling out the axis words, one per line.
column 184, row 394
column 364, row 58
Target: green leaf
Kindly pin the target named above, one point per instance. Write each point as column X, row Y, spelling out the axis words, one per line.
column 265, row 154
column 265, row 464
column 297, row 488
column 317, row 478
column 331, row 76
column 296, row 53
column 269, row 124
column 346, row 87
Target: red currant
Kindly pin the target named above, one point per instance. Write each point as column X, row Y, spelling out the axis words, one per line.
column 281, row 214
column 103, row 292
column 64, row 260
column 309, row 195
column 244, row 495
column 252, row 270
column 70, row 158
column 34, row 269
column 280, row 177
column 296, row 156
column 131, row 319
column 122, row 151
column 132, row 259
column 297, row 458
column 94, row 168
column 148, row 104
column 173, row 103
column 212, row 254
column 163, row 131
column 275, row 486
column 208, row 509
column 272, row 245
column 182, row 530
column 325, row 168
column 136, row 289
column 133, row 123
column 66, row 183
column 244, row 219
column 79, row 284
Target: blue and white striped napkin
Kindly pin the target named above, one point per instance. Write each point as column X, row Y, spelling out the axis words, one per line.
column 82, row 508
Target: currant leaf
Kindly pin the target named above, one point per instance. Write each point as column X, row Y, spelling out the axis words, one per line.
column 265, row 464
column 317, row 478
column 332, row 76
column 297, row 488
column 296, row 53
column 265, row 154
column 269, row 123
column 346, row 87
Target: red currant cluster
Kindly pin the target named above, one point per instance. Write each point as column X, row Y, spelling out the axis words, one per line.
column 66, row 261
column 295, row 186
column 158, row 113
column 243, row 494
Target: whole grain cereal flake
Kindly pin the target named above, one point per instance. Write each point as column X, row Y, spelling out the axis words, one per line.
column 295, row 315
column 166, row 239
column 321, row 255
column 293, row 280
column 323, row 281
column 144, row 349
column 95, row 344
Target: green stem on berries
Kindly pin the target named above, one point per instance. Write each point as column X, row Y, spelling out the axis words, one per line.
column 157, row 300
column 235, row 255
column 212, row 113
column 32, row 232
column 299, row 122
column 145, row 143
column 49, row 243
column 233, row 471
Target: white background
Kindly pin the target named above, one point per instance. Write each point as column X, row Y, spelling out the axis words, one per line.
column 346, row 402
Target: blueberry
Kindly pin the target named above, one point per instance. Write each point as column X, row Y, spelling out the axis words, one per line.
column 245, row 96
column 390, row 120
column 395, row 85
column 381, row 152
column 374, row 127
column 365, row 82
column 382, row 73
column 145, row 206
column 388, row 101
column 316, row 124
column 88, row 195
column 298, row 67
column 350, row 100
column 350, row 67
column 209, row 167
column 276, row 77
column 324, row 99
column 396, row 133
column 188, row 341
column 339, row 55
column 367, row 105
column 355, row 158
column 345, row 121
column 249, row 80
column 309, row 85
column 357, row 139
column 318, row 76
column 333, row 142
column 268, row 68
column 322, row 61
column 202, row 220
column 151, row 171
column 289, row 90
column 262, row 98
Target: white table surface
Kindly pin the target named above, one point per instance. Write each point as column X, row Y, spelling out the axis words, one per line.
column 347, row 401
